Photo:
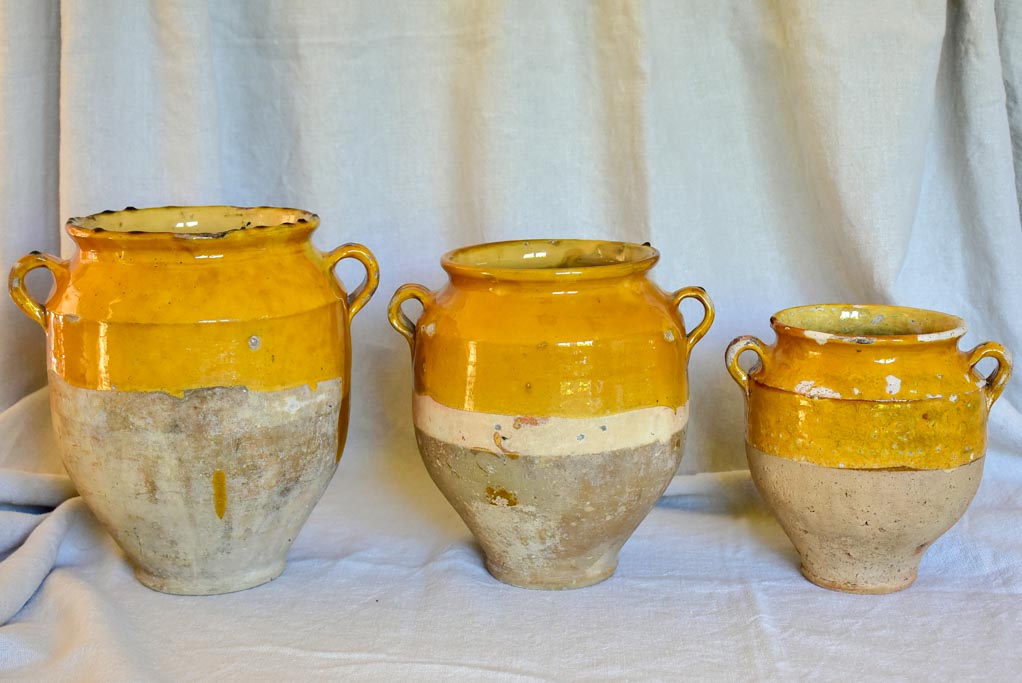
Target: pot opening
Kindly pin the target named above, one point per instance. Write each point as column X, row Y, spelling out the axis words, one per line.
column 865, row 324
column 189, row 221
column 530, row 259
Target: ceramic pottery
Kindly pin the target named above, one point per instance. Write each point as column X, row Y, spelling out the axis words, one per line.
column 866, row 434
column 199, row 360
column 550, row 399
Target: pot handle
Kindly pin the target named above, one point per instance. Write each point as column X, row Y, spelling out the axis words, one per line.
column 16, row 282
column 398, row 320
column 736, row 348
column 996, row 380
column 700, row 295
column 360, row 297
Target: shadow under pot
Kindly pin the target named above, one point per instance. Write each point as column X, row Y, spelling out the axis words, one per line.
column 199, row 362
column 550, row 399
column 866, row 431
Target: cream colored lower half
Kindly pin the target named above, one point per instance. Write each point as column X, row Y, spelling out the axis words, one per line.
column 862, row 531
column 549, row 509
column 204, row 493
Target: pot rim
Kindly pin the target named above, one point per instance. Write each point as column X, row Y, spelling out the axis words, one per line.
column 935, row 325
column 102, row 225
column 637, row 258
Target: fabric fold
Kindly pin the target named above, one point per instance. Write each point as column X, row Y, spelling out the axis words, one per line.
column 24, row 570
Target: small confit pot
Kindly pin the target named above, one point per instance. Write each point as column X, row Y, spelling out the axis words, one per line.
column 866, row 435
column 551, row 399
column 199, row 361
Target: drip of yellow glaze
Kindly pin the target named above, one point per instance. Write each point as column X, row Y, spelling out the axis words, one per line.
column 501, row 497
column 342, row 434
column 312, row 386
column 220, row 493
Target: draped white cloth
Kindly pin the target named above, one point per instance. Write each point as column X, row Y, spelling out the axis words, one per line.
column 776, row 152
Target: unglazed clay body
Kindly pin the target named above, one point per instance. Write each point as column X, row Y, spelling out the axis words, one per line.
column 551, row 399
column 199, row 360
column 866, row 431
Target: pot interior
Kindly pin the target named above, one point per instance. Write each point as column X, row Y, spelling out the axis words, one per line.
column 191, row 220
column 550, row 255
column 856, row 322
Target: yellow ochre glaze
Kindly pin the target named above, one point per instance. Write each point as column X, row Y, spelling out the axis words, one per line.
column 868, row 387
column 569, row 328
column 220, row 493
column 867, row 434
column 179, row 298
column 175, row 358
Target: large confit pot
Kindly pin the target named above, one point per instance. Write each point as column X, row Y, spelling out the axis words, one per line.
column 199, row 362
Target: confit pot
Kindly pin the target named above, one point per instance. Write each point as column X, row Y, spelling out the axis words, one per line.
column 866, row 431
column 550, row 399
column 199, row 361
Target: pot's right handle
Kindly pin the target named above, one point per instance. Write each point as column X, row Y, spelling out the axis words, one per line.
column 700, row 295
column 736, row 348
column 16, row 282
column 398, row 320
column 360, row 297
column 996, row 380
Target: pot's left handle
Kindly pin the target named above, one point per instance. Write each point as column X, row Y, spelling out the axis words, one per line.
column 700, row 295
column 360, row 297
column 736, row 348
column 16, row 282
column 398, row 320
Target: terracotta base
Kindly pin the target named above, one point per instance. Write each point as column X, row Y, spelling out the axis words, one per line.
column 859, row 589
column 552, row 521
column 564, row 577
column 206, row 493
column 862, row 531
column 223, row 584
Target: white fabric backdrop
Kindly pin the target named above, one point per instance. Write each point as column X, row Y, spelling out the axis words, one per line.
column 776, row 153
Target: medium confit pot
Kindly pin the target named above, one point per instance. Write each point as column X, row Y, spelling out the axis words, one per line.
column 866, row 431
column 550, row 399
column 199, row 361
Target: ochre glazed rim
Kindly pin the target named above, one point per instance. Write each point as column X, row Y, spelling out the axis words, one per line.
column 550, row 259
column 190, row 222
column 920, row 325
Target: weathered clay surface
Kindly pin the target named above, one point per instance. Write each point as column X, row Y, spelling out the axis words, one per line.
column 862, row 531
column 551, row 521
column 204, row 493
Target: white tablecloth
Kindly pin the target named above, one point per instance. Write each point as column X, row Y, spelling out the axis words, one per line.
column 385, row 583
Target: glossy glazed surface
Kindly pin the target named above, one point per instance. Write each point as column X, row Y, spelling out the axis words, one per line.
column 180, row 298
column 869, row 387
column 569, row 328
